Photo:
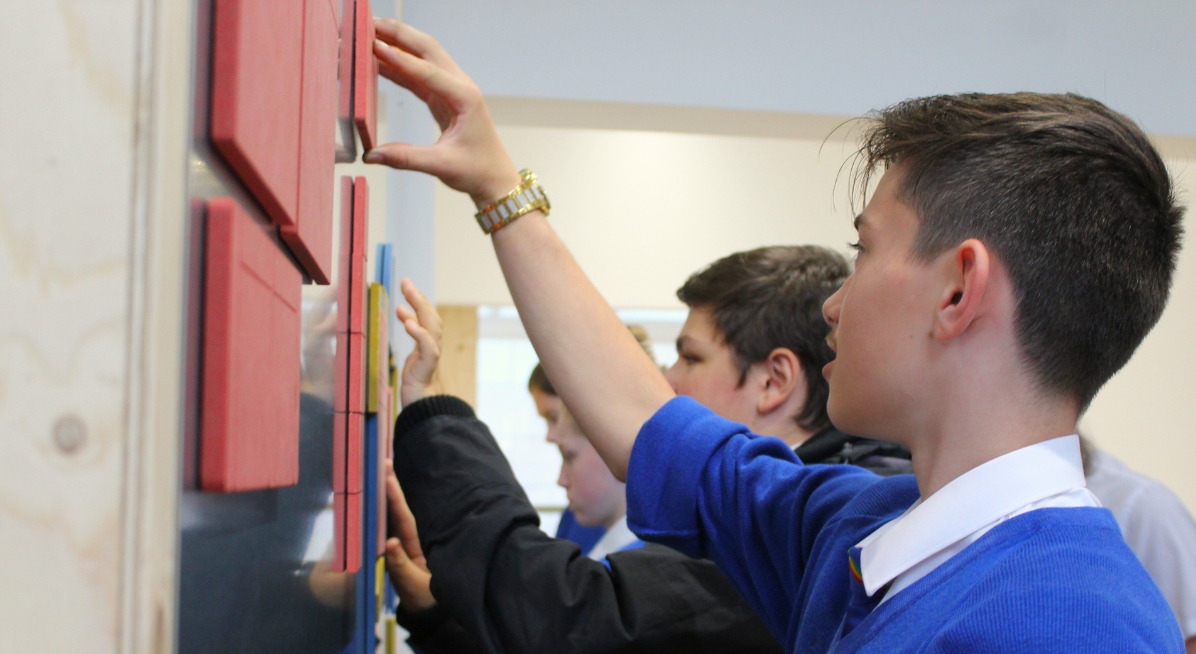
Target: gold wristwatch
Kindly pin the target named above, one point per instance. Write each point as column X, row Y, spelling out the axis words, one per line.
column 526, row 197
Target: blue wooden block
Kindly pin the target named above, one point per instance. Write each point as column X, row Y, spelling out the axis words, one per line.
column 384, row 273
column 370, row 540
column 364, row 613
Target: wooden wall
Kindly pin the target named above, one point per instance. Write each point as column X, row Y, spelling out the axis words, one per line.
column 95, row 100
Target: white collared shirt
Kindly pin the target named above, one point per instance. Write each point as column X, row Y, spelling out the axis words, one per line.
column 1049, row 474
column 616, row 538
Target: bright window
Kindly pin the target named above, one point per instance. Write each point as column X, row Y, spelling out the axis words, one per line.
column 505, row 359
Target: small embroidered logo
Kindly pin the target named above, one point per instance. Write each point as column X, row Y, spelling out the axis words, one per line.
column 853, row 562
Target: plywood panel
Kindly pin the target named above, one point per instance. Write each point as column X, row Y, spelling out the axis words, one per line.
column 459, row 359
column 257, row 60
column 249, row 428
column 90, row 339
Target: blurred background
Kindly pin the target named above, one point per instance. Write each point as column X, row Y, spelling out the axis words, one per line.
column 669, row 134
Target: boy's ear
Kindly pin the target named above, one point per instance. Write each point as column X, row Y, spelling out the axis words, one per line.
column 783, row 376
column 968, row 277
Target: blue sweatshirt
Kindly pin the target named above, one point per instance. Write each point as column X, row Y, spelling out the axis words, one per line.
column 1050, row 580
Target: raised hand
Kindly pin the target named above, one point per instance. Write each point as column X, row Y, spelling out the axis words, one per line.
column 469, row 156
column 419, row 378
column 405, row 560
column 611, row 388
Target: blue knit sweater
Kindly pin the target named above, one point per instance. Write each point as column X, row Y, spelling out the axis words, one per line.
column 1050, row 580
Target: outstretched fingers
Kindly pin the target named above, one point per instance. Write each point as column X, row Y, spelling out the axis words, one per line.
column 420, row 44
column 403, row 156
column 425, row 311
column 402, row 520
column 427, row 348
column 412, row 582
column 425, row 78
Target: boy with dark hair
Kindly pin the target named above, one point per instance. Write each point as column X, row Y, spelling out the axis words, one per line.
column 754, row 344
column 747, row 299
column 1015, row 252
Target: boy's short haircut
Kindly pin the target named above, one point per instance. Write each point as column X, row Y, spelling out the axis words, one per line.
column 772, row 297
column 1072, row 199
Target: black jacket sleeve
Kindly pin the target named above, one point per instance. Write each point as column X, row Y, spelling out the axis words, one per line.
column 515, row 589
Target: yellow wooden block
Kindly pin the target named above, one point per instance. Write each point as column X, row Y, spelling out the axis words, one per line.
column 378, row 350
column 391, row 635
column 379, row 583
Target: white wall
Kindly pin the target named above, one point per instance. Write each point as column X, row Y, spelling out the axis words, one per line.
column 825, row 56
column 641, row 210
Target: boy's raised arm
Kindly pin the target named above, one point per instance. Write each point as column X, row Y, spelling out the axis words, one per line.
column 605, row 379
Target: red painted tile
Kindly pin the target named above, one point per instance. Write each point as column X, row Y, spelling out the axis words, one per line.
column 249, row 429
column 311, row 239
column 356, row 368
column 340, row 394
column 355, row 453
column 361, row 218
column 340, row 446
column 257, row 58
column 343, row 282
column 357, row 294
column 349, row 396
column 339, row 531
column 353, row 532
column 348, row 26
column 365, row 77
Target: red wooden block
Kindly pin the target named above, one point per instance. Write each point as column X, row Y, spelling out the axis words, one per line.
column 356, row 381
column 350, row 374
column 339, row 448
column 249, row 431
column 257, row 56
column 311, row 238
column 339, row 531
column 357, row 294
column 348, row 27
column 382, row 363
column 344, row 274
column 355, row 453
column 365, row 77
column 361, row 218
column 353, row 532
column 340, row 394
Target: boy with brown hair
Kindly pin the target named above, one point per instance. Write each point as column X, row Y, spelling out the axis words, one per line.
column 752, row 349
column 1015, row 252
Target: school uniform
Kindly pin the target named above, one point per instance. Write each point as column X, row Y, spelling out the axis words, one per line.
column 616, row 539
column 1013, row 556
column 1157, row 527
column 569, row 529
column 503, row 585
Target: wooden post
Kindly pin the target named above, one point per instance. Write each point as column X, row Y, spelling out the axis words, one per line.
column 459, row 357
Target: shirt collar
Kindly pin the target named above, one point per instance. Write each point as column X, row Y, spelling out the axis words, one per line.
column 969, row 503
column 616, row 538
